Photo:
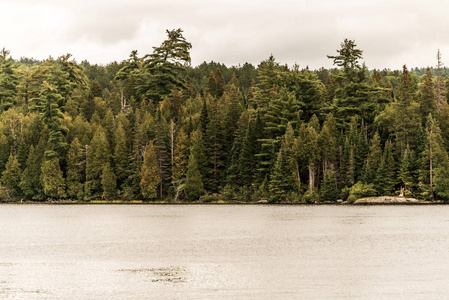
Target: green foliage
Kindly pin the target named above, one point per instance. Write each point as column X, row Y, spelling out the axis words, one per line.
column 194, row 187
column 108, row 182
column 360, row 190
column 161, row 70
column 11, row 176
column 150, row 173
column 52, row 179
column 241, row 133
column 329, row 188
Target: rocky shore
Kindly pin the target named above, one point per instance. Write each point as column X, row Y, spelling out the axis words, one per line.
column 392, row 200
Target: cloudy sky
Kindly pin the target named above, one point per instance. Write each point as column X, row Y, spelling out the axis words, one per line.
column 390, row 32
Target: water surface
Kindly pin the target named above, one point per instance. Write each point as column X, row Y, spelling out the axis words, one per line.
column 224, row 252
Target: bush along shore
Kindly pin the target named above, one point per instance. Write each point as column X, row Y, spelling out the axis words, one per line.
column 155, row 129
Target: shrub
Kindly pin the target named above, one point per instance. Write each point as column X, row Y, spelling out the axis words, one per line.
column 360, row 190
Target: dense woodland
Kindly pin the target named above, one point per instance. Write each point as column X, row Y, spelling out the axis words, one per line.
column 154, row 128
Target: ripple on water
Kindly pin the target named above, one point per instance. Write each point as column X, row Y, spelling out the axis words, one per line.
column 164, row 275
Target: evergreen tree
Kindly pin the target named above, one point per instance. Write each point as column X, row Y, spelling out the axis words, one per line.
column 47, row 105
column 8, row 81
column 194, row 187
column 108, row 182
column 162, row 149
column 408, row 170
column 385, row 179
column 75, row 176
column 97, row 157
column 30, row 182
column 161, row 70
column 427, row 97
column 121, row 155
column 11, row 176
column 181, row 156
column 308, row 151
column 373, row 160
column 281, row 180
column 52, row 179
column 328, row 143
column 329, row 187
column 150, row 177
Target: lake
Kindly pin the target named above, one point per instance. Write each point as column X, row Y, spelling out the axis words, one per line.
column 223, row 252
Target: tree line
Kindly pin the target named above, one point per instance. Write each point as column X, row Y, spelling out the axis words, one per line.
column 153, row 127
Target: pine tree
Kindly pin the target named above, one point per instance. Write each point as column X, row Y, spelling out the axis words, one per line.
column 181, row 156
column 308, row 150
column 408, row 170
column 247, row 160
column 108, row 182
column 328, row 143
column 373, row 160
column 194, row 187
column 150, row 177
column 161, row 70
column 427, row 97
column 97, row 157
column 11, row 176
column 8, row 81
column 329, row 187
column 163, row 154
column 385, row 179
column 75, row 177
column 213, row 139
column 281, row 179
column 30, row 182
column 47, row 105
column 405, row 112
column 121, row 155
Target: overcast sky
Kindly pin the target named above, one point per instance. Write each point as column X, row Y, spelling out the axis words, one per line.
column 390, row 32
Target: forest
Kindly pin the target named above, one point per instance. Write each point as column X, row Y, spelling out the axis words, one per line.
column 154, row 128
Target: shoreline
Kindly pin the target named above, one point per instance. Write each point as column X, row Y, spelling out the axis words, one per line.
column 359, row 202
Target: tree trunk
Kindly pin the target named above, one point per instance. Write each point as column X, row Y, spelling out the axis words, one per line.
column 431, row 175
column 311, row 176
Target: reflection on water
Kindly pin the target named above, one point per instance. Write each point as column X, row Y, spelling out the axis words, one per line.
column 168, row 274
column 224, row 252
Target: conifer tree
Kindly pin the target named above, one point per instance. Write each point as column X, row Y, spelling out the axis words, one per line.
column 52, row 178
column 8, row 81
column 247, row 160
column 181, row 156
column 329, row 187
column 437, row 161
column 373, row 160
column 308, row 150
column 234, row 166
column 194, row 187
column 150, row 177
column 161, row 70
column 97, row 157
column 405, row 111
column 11, row 175
column 75, row 177
column 328, row 143
column 162, row 149
column 213, row 139
column 30, row 182
column 108, row 182
column 47, row 105
column 281, row 179
column 121, row 155
column 408, row 170
column 427, row 97
column 385, row 179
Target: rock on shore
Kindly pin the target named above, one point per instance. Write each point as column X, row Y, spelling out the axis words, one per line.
column 390, row 200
